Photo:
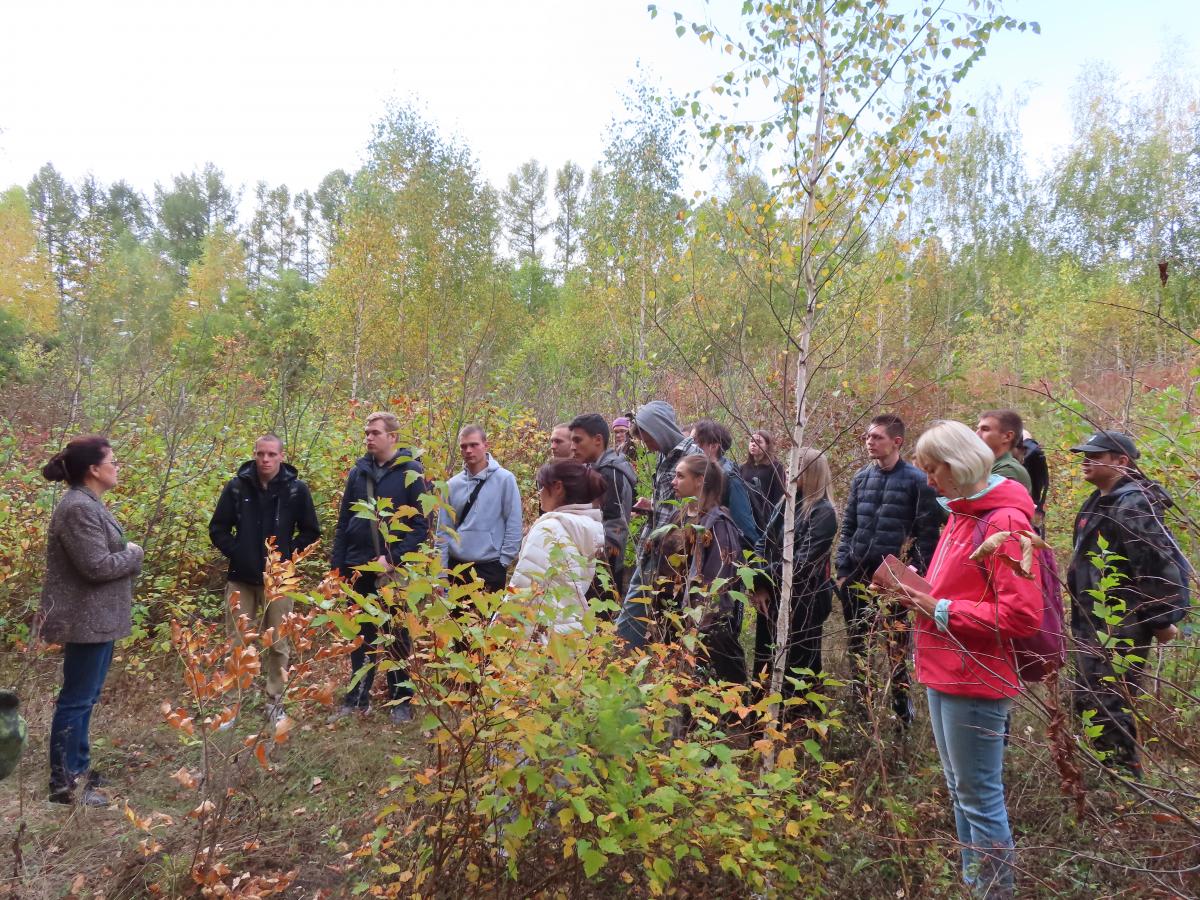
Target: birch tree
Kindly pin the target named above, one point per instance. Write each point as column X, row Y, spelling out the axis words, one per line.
column 841, row 101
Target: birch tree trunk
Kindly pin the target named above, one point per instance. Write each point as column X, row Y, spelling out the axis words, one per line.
column 813, row 169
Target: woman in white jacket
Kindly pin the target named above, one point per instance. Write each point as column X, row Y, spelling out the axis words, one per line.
column 559, row 554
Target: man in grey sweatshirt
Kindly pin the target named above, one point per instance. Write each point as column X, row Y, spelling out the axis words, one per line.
column 486, row 531
column 656, row 428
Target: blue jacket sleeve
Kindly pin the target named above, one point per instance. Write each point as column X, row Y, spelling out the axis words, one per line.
column 338, row 557
column 512, row 521
column 741, row 512
column 419, row 525
column 849, row 526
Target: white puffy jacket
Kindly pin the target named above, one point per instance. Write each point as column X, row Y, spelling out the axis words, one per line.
column 558, row 557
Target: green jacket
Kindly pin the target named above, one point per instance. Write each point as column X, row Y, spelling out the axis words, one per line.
column 1008, row 466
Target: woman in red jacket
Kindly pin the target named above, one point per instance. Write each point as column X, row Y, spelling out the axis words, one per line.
column 964, row 634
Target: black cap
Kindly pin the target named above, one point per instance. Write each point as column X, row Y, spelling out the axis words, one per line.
column 1108, row 442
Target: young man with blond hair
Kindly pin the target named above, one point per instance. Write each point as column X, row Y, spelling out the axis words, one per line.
column 386, row 471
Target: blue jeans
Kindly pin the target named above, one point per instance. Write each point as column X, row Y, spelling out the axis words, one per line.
column 632, row 621
column 85, row 666
column 969, row 733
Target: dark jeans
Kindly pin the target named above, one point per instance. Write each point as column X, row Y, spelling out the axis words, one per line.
column 493, row 575
column 1099, row 686
column 85, row 666
column 809, row 612
column 396, row 649
column 861, row 618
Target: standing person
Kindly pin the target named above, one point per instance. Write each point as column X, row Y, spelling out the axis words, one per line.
column 559, row 554
column 1002, row 430
column 701, row 555
column 486, row 532
column 964, row 627
column 589, row 444
column 1147, row 600
column 1032, row 457
column 87, row 602
column 385, row 471
column 764, row 476
column 812, row 589
column 714, row 439
column 656, row 428
column 623, row 442
column 560, row 442
column 891, row 510
column 264, row 500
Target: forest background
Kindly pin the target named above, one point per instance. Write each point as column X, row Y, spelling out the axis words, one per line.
column 187, row 321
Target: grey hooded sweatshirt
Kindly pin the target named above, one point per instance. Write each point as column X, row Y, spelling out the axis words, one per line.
column 492, row 530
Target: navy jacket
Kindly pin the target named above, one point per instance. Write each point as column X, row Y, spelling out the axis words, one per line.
column 352, row 542
column 884, row 511
column 246, row 515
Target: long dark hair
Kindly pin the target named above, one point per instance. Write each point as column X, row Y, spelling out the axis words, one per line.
column 581, row 483
column 768, row 449
column 72, row 462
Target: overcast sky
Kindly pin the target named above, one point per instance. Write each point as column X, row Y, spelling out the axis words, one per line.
column 287, row 91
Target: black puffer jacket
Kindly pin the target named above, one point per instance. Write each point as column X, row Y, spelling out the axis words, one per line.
column 814, row 535
column 1151, row 583
column 353, row 544
column 885, row 509
column 246, row 515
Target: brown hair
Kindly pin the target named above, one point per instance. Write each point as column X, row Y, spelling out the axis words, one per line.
column 581, row 483
column 1008, row 420
column 71, row 463
column 713, row 486
column 769, row 449
column 390, row 422
column 892, row 424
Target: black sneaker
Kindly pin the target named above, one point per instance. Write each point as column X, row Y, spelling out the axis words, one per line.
column 86, row 796
column 400, row 714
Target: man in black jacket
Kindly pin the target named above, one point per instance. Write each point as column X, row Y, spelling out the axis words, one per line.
column 891, row 510
column 264, row 500
column 390, row 472
column 1145, row 602
column 589, row 444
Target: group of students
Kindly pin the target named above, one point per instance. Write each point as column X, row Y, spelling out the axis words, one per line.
column 706, row 518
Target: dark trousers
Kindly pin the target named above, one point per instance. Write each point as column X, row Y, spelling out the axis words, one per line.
column 395, row 646
column 85, row 666
column 725, row 659
column 1098, row 686
column 861, row 618
column 809, row 612
column 493, row 575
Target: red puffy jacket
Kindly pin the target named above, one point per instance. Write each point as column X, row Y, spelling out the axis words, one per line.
column 989, row 603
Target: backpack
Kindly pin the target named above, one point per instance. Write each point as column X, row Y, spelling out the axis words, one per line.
column 1044, row 652
column 1160, row 502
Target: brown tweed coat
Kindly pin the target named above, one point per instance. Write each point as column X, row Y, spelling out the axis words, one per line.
column 88, row 592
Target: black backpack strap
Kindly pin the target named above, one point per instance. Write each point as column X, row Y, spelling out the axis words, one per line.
column 375, row 541
column 470, row 504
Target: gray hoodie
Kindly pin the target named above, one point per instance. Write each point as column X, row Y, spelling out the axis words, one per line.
column 657, row 419
column 493, row 527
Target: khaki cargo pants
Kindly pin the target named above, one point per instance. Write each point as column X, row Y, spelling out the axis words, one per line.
column 251, row 601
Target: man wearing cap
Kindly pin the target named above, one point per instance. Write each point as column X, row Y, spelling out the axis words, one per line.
column 1113, row 635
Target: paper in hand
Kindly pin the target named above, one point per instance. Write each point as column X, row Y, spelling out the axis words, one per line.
column 892, row 573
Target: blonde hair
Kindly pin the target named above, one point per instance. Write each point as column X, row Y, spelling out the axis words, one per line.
column 815, row 480
column 389, row 420
column 953, row 443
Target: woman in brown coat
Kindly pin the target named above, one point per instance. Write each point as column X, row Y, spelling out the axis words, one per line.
column 87, row 600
